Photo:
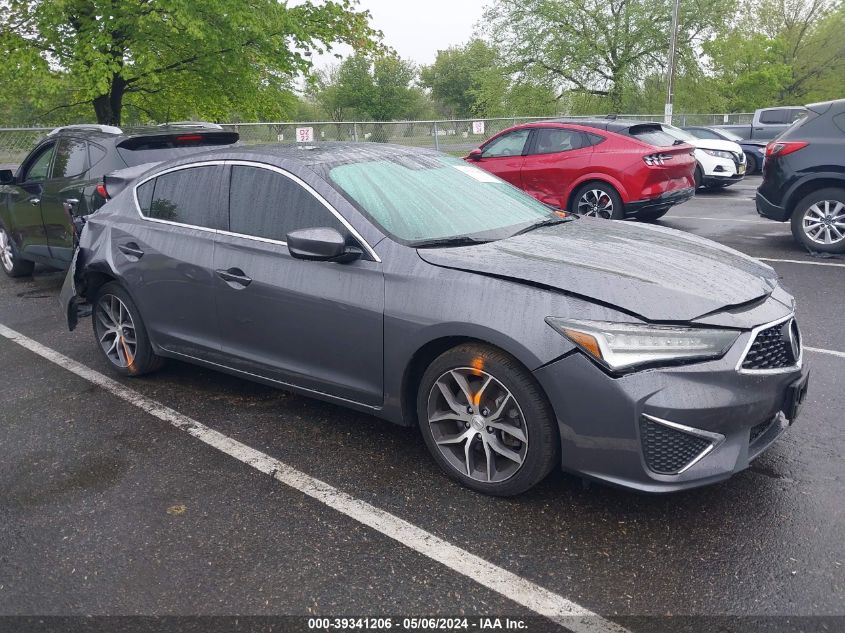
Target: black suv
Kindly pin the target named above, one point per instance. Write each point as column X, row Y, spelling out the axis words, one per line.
column 804, row 178
column 57, row 184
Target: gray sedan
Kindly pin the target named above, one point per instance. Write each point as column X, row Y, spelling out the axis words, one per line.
column 416, row 287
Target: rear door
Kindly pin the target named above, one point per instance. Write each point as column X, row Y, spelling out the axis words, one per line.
column 315, row 325
column 504, row 156
column 23, row 200
column 64, row 195
column 166, row 256
column 555, row 159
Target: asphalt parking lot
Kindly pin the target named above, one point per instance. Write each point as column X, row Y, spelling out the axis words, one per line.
column 106, row 508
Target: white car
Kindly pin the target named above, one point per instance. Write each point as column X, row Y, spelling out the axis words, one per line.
column 720, row 163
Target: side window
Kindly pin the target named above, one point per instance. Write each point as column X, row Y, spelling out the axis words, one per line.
column 263, row 203
column 39, row 166
column 95, row 154
column 187, row 196
column 794, row 115
column 510, row 144
column 71, row 158
column 145, row 196
column 554, row 140
column 774, row 116
column 592, row 139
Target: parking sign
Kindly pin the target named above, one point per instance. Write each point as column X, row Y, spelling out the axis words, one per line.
column 304, row 134
column 478, row 127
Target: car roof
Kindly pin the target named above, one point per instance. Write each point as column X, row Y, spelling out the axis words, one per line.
column 609, row 124
column 320, row 154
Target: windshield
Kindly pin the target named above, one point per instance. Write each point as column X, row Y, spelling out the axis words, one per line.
column 730, row 135
column 679, row 134
column 431, row 197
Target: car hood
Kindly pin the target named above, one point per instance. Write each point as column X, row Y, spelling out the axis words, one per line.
column 710, row 143
column 656, row 273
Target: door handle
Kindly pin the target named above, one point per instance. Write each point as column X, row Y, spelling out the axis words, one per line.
column 70, row 204
column 131, row 249
column 35, row 201
column 234, row 276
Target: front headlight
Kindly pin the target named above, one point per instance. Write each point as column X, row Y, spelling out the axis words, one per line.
column 719, row 153
column 625, row 345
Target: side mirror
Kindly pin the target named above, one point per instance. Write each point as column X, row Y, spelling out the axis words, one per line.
column 7, row 177
column 475, row 154
column 322, row 245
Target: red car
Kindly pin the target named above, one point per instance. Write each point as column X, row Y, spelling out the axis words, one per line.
column 608, row 168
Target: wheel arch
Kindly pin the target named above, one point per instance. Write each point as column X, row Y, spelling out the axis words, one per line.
column 807, row 186
column 601, row 179
column 425, row 355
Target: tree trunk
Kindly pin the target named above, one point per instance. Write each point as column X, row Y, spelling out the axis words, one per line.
column 109, row 107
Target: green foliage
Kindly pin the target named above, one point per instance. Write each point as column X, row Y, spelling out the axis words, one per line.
column 171, row 59
column 598, row 47
column 457, row 77
column 380, row 89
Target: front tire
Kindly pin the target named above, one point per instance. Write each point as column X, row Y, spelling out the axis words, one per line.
column 10, row 261
column 120, row 332
column 751, row 166
column 698, row 176
column 598, row 200
column 818, row 221
column 486, row 421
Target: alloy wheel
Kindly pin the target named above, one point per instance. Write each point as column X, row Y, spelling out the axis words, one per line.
column 116, row 331
column 6, row 254
column 824, row 222
column 596, row 203
column 477, row 425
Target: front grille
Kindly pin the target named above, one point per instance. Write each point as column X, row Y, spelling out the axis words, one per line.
column 667, row 451
column 775, row 347
column 758, row 430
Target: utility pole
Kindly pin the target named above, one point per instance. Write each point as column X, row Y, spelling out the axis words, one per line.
column 673, row 47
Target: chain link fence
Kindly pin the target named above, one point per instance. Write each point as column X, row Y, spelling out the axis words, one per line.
column 455, row 136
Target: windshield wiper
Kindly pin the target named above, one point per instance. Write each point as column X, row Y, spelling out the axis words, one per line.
column 458, row 240
column 547, row 222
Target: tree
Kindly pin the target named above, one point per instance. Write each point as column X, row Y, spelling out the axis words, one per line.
column 203, row 56
column 596, row 46
column 381, row 89
column 456, row 76
column 781, row 51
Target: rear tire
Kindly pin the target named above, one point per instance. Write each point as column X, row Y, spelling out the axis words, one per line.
column 120, row 332
column 598, row 200
column 10, row 261
column 819, row 218
column 496, row 432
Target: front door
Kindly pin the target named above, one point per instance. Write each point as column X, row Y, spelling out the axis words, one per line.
column 26, row 226
column 503, row 156
column 315, row 325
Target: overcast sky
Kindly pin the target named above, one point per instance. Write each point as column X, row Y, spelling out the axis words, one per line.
column 417, row 29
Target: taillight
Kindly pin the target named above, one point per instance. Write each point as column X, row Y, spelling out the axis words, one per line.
column 189, row 138
column 101, row 191
column 657, row 159
column 782, row 148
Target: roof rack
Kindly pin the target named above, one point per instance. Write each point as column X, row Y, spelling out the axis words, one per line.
column 197, row 124
column 105, row 129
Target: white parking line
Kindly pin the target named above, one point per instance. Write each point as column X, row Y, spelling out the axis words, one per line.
column 694, row 217
column 515, row 588
column 799, row 261
column 819, row 350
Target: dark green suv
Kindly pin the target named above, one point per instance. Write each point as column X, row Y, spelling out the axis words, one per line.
column 57, row 184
